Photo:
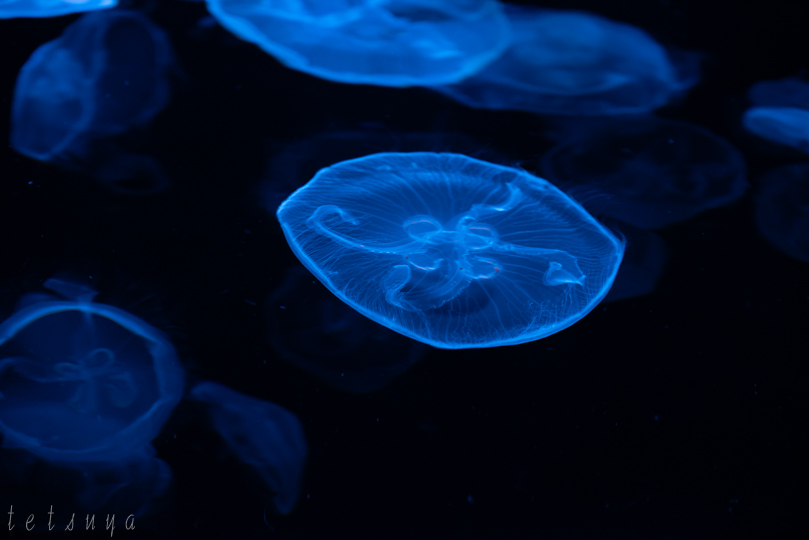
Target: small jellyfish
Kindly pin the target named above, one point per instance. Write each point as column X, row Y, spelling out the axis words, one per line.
column 451, row 251
column 782, row 209
column 50, row 8
column 315, row 331
column 644, row 259
column 106, row 74
column 85, row 387
column 648, row 172
column 380, row 42
column 263, row 435
column 780, row 112
column 578, row 64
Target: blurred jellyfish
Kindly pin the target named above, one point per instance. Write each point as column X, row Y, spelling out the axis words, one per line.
column 263, row 435
column 782, row 209
column 381, row 42
column 644, row 259
column 449, row 250
column 315, row 331
column 86, row 387
column 576, row 63
column 105, row 75
column 50, row 8
column 780, row 112
column 648, row 172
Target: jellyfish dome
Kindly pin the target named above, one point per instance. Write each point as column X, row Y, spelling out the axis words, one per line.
column 780, row 112
column 50, row 8
column 105, row 74
column 82, row 381
column 381, row 42
column 575, row 63
column 451, row 251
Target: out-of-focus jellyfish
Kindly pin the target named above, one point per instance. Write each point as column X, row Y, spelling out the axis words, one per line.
column 381, row 42
column 782, row 209
column 645, row 256
column 648, row 172
column 50, row 8
column 780, row 112
column 106, row 74
column 449, row 250
column 87, row 386
column 263, row 435
column 576, row 63
column 315, row 331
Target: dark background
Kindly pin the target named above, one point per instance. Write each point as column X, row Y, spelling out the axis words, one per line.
column 678, row 414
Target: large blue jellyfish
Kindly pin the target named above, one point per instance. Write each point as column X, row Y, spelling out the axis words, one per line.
column 87, row 386
column 647, row 171
column 107, row 73
column 782, row 209
column 780, row 112
column 50, row 8
column 318, row 333
column 263, row 435
column 381, row 42
column 576, row 63
column 449, row 250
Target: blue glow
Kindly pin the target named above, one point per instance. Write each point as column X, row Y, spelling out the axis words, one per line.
column 50, row 8
column 381, row 42
column 82, row 381
column 108, row 72
column 576, row 63
column 449, row 250
column 780, row 112
column 318, row 333
column 782, row 209
column 647, row 172
column 263, row 435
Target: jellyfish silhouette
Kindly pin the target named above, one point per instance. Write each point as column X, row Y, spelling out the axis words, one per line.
column 106, row 74
column 87, row 386
column 313, row 330
column 50, row 8
column 449, row 250
column 780, row 112
column 645, row 256
column 782, row 209
column 648, row 172
column 576, row 63
column 380, row 42
column 263, row 435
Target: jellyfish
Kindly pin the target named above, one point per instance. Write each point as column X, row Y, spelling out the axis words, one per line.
column 782, row 209
column 263, row 435
column 576, row 63
column 50, row 8
column 780, row 112
column 645, row 257
column 313, row 330
column 449, row 250
column 85, row 387
column 381, row 42
column 648, row 172
column 105, row 75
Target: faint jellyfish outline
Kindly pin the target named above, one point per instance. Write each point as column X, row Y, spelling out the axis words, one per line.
column 782, row 209
column 425, row 264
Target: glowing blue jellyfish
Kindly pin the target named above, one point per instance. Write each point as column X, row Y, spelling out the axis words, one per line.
column 78, row 91
column 782, row 209
column 648, row 172
column 780, row 112
column 86, row 387
column 449, row 250
column 50, row 8
column 318, row 333
column 381, row 42
column 263, row 435
column 575, row 63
